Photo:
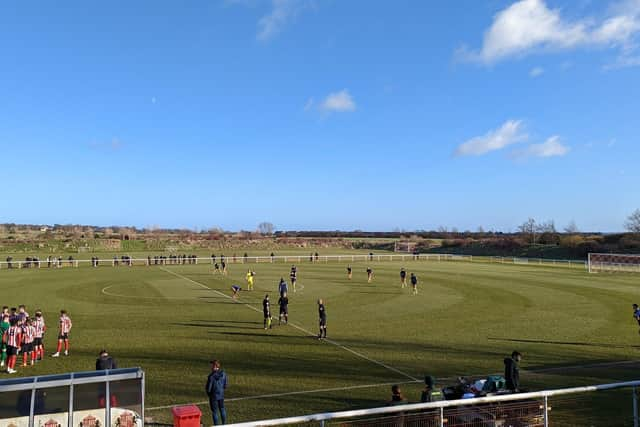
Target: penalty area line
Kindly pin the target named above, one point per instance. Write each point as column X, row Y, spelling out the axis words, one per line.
column 300, row 328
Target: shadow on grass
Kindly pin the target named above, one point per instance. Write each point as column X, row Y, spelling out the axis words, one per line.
column 265, row 334
column 572, row 343
column 201, row 325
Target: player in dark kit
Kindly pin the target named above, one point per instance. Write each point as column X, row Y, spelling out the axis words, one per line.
column 266, row 310
column 349, row 272
column 293, row 276
column 414, row 284
column 322, row 314
column 636, row 314
column 283, row 302
column 403, row 278
column 282, row 287
column 236, row 290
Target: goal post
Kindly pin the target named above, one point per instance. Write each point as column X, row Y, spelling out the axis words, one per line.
column 600, row 262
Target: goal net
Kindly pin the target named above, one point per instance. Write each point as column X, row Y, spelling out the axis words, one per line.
column 613, row 263
column 404, row 246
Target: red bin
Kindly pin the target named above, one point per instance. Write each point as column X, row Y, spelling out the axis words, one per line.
column 186, row 416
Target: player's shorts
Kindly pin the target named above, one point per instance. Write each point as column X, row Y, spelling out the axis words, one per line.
column 284, row 310
column 63, row 336
column 323, row 321
column 37, row 342
column 27, row 347
column 12, row 351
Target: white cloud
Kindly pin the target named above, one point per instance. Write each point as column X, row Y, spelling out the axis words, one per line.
column 282, row 12
column 337, row 102
column 550, row 148
column 528, row 26
column 309, row 104
column 536, row 72
column 509, row 133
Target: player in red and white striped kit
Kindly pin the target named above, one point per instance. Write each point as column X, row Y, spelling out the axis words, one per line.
column 41, row 328
column 64, row 327
column 28, row 335
column 13, row 338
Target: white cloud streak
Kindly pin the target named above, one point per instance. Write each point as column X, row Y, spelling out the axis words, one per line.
column 337, row 102
column 282, row 13
column 509, row 133
column 536, row 72
column 552, row 147
column 528, row 26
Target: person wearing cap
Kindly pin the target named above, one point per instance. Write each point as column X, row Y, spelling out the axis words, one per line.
column 216, row 385
column 105, row 361
column 430, row 393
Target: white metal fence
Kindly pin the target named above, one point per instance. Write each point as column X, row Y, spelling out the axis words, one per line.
column 521, row 409
column 58, row 262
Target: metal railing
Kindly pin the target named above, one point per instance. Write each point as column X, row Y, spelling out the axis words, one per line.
column 175, row 259
column 539, row 399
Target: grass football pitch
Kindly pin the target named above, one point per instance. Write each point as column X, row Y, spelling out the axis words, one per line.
column 572, row 327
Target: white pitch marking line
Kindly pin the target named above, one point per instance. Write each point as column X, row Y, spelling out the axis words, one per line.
column 325, row 390
column 290, row 393
column 300, row 328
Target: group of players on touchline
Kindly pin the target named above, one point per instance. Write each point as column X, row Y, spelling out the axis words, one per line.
column 24, row 335
column 283, row 301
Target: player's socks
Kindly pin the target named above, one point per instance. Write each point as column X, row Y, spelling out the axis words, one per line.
column 24, row 359
column 59, row 347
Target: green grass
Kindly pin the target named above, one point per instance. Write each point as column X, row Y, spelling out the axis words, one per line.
column 466, row 318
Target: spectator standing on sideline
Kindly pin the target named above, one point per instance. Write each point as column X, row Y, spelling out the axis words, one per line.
column 105, row 361
column 512, row 371
column 216, row 385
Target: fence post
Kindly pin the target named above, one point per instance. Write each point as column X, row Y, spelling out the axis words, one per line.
column 546, row 412
column 441, row 416
column 635, row 407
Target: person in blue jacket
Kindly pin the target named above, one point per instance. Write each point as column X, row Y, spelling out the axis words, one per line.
column 216, row 384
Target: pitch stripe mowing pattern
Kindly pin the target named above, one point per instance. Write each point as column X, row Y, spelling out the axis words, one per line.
column 300, row 328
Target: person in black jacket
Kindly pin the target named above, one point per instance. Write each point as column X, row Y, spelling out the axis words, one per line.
column 105, row 361
column 512, row 371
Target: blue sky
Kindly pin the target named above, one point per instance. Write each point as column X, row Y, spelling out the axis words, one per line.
column 320, row 114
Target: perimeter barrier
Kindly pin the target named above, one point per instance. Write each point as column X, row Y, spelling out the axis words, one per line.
column 128, row 261
column 85, row 399
column 577, row 406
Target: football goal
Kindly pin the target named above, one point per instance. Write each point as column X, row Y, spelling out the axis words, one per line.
column 613, row 263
